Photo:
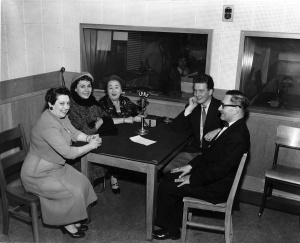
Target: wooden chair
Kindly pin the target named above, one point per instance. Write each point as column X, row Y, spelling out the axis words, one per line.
column 286, row 137
column 13, row 195
column 221, row 207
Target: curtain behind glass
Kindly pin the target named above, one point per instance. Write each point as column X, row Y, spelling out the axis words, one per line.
column 96, row 45
column 90, row 41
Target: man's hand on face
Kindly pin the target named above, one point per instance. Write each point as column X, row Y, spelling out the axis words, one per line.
column 192, row 104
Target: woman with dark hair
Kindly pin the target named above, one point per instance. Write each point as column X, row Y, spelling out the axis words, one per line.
column 119, row 107
column 64, row 192
column 87, row 116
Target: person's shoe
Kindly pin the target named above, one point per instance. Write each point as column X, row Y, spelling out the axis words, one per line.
column 82, row 227
column 86, row 221
column 115, row 186
column 164, row 234
column 78, row 234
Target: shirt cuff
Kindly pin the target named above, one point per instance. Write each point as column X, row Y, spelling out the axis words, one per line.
column 186, row 113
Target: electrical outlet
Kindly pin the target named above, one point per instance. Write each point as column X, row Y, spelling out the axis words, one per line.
column 227, row 13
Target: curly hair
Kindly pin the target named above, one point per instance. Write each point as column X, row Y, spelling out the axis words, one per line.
column 53, row 93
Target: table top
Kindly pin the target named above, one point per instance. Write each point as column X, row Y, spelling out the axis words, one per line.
column 168, row 142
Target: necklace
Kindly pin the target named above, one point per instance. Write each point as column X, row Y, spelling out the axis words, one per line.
column 64, row 125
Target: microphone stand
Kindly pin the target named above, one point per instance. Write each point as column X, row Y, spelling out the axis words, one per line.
column 143, row 103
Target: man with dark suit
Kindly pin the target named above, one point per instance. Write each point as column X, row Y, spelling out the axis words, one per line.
column 208, row 176
column 202, row 116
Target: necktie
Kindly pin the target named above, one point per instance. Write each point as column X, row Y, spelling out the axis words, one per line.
column 225, row 126
column 202, row 123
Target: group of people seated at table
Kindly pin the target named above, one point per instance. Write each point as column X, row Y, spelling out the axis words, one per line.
column 205, row 169
column 99, row 117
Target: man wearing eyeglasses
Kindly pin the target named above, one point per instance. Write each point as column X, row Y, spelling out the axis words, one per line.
column 202, row 116
column 210, row 175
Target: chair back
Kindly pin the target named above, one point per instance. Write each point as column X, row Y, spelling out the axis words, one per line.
column 236, row 181
column 288, row 137
column 12, row 142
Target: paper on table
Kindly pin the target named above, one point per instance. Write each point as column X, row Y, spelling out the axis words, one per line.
column 141, row 140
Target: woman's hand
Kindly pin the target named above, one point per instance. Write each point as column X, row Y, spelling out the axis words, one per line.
column 95, row 141
column 129, row 120
column 137, row 119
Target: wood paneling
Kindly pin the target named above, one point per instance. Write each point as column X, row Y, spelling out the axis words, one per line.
column 22, row 99
column 21, row 86
column 263, row 132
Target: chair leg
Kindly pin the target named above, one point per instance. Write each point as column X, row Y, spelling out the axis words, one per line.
column 264, row 199
column 231, row 230
column 270, row 190
column 184, row 219
column 35, row 222
column 5, row 216
column 228, row 228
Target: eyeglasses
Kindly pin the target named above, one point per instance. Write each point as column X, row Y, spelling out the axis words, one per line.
column 224, row 105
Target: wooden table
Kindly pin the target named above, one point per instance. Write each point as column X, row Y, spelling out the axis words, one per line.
column 120, row 151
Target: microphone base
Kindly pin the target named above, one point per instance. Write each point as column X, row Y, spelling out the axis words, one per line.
column 142, row 131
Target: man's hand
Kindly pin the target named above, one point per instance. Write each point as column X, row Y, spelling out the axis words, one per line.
column 210, row 135
column 192, row 104
column 184, row 180
column 185, row 170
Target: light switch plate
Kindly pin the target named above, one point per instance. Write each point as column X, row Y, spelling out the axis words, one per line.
column 228, row 11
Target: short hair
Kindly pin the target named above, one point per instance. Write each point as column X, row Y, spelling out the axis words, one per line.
column 53, row 93
column 238, row 98
column 115, row 78
column 76, row 81
column 204, row 78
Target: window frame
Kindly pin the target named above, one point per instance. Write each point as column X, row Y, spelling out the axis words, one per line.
column 209, row 33
column 240, row 74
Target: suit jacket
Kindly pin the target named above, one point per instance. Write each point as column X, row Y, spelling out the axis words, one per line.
column 214, row 170
column 192, row 121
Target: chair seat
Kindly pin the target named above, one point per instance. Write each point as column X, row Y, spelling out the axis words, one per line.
column 285, row 173
column 16, row 188
column 202, row 202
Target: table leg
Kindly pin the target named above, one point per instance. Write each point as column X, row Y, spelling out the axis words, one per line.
column 85, row 166
column 85, row 169
column 151, row 199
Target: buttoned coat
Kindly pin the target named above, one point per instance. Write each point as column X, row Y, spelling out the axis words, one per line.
column 64, row 192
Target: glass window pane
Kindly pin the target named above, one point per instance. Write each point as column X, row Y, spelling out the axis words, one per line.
column 155, row 60
column 270, row 73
